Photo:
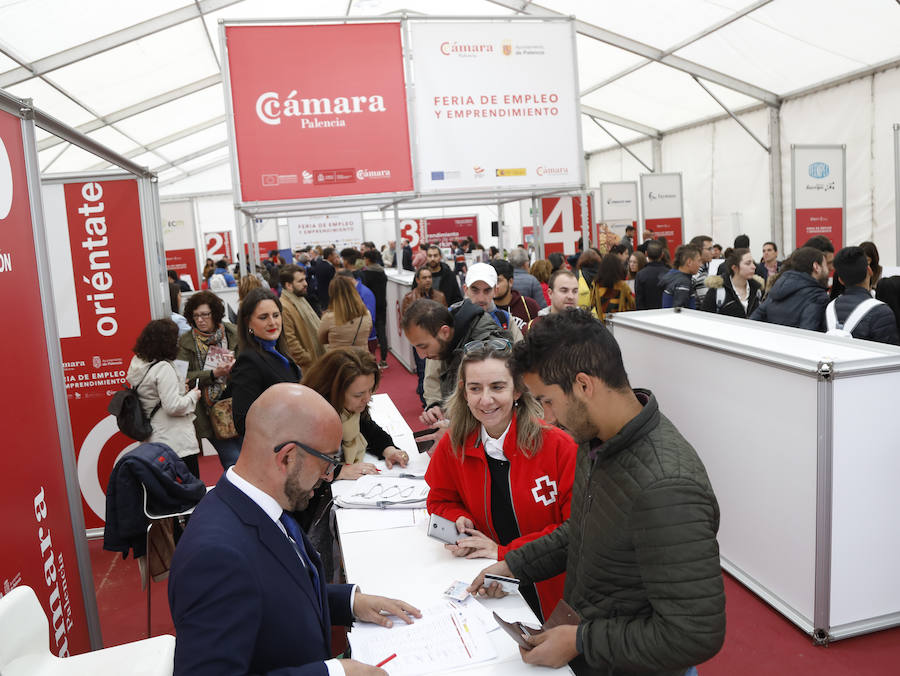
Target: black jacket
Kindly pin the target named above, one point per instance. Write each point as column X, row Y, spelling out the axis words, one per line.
column 796, row 300
column 877, row 324
column 406, row 258
column 647, row 291
column 731, row 304
column 449, row 286
column 677, row 289
column 252, row 374
column 323, row 271
column 170, row 488
column 373, row 277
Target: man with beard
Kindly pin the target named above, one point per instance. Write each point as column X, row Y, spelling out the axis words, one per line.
column 522, row 309
column 299, row 321
column 639, row 549
column 442, row 276
column 247, row 589
column 440, row 337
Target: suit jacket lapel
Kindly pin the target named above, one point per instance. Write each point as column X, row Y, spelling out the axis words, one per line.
column 274, row 540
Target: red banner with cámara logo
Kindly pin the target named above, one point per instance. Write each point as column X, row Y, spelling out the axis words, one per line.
column 111, row 307
column 319, row 111
column 38, row 542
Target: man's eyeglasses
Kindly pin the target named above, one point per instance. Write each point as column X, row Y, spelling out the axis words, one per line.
column 492, row 344
column 333, row 464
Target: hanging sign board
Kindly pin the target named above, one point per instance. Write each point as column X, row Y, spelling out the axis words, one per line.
column 38, row 540
column 317, row 111
column 496, row 106
column 442, row 231
column 619, row 202
column 662, row 209
column 339, row 231
column 819, row 193
column 102, row 304
column 179, row 239
column 218, row 246
column 561, row 218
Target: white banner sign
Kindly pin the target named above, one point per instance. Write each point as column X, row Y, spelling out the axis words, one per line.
column 661, row 195
column 618, row 202
column 341, row 230
column 818, row 177
column 496, row 106
column 177, row 225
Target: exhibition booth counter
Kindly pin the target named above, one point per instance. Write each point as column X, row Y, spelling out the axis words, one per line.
column 399, row 284
column 798, row 434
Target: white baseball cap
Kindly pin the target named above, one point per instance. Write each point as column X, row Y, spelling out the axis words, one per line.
column 481, row 272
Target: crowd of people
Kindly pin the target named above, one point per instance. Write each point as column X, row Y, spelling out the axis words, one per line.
column 544, row 457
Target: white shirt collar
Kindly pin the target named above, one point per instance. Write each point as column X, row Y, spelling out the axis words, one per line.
column 494, row 447
column 266, row 502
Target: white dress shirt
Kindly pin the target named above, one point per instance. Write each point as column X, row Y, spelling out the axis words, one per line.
column 273, row 510
column 494, row 447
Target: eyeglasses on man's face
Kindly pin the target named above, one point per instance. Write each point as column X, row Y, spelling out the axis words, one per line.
column 333, row 464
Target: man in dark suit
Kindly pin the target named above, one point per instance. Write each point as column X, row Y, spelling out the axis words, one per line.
column 247, row 588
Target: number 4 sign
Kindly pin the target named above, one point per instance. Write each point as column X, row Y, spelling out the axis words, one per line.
column 562, row 223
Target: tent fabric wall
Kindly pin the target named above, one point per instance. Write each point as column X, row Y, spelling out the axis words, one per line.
column 726, row 173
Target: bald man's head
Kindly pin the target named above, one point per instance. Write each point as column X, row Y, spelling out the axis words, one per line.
column 289, row 412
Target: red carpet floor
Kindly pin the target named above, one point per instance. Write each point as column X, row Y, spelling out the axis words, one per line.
column 758, row 640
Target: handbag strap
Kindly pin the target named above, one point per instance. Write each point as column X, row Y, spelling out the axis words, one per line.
column 353, row 342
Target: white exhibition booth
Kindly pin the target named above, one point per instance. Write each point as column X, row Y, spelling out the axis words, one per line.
column 798, row 432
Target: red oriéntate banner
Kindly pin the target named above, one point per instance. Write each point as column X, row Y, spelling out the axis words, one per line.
column 184, row 262
column 319, row 111
column 38, row 542
column 670, row 228
column 113, row 306
column 442, row 231
column 812, row 222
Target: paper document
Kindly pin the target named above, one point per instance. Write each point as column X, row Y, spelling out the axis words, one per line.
column 365, row 520
column 376, row 491
column 446, row 637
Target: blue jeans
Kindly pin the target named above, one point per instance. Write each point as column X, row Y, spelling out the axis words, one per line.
column 692, row 672
column 228, row 450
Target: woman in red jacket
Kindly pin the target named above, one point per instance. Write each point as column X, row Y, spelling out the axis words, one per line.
column 500, row 473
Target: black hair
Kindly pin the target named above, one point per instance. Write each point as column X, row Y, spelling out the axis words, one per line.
column 564, row 344
column 427, row 315
column 772, row 244
column 742, row 242
column 610, row 272
column 734, row 259
column 820, row 242
column 216, row 306
column 221, row 264
column 173, row 275
column 351, row 254
column 888, row 291
column 503, row 268
column 556, row 260
column 699, row 240
column 684, row 253
column 174, row 292
column 654, row 250
column 850, row 265
column 371, row 255
column 803, row 258
column 158, row 341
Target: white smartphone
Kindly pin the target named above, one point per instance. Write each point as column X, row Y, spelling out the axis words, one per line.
column 442, row 529
column 507, row 584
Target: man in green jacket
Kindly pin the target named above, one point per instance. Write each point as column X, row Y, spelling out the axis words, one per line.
column 639, row 549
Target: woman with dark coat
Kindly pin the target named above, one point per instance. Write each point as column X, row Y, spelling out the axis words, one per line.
column 262, row 359
column 736, row 294
column 208, row 348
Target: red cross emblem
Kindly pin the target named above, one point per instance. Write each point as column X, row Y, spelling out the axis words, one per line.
column 544, row 491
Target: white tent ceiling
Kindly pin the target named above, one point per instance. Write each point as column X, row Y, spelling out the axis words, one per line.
column 144, row 78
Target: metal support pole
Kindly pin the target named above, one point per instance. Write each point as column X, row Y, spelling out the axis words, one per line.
column 398, row 250
column 199, row 243
column 621, row 145
column 656, row 149
column 239, row 236
column 500, row 226
column 897, row 191
column 776, row 203
column 585, row 223
column 538, row 224
column 730, row 114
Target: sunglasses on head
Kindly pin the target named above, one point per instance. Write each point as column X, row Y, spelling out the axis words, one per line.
column 492, row 344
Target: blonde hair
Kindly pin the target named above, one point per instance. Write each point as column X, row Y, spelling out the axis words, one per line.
column 344, row 300
column 542, row 270
column 529, row 427
column 246, row 285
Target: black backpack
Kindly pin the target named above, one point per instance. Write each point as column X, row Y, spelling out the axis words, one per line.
column 130, row 417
